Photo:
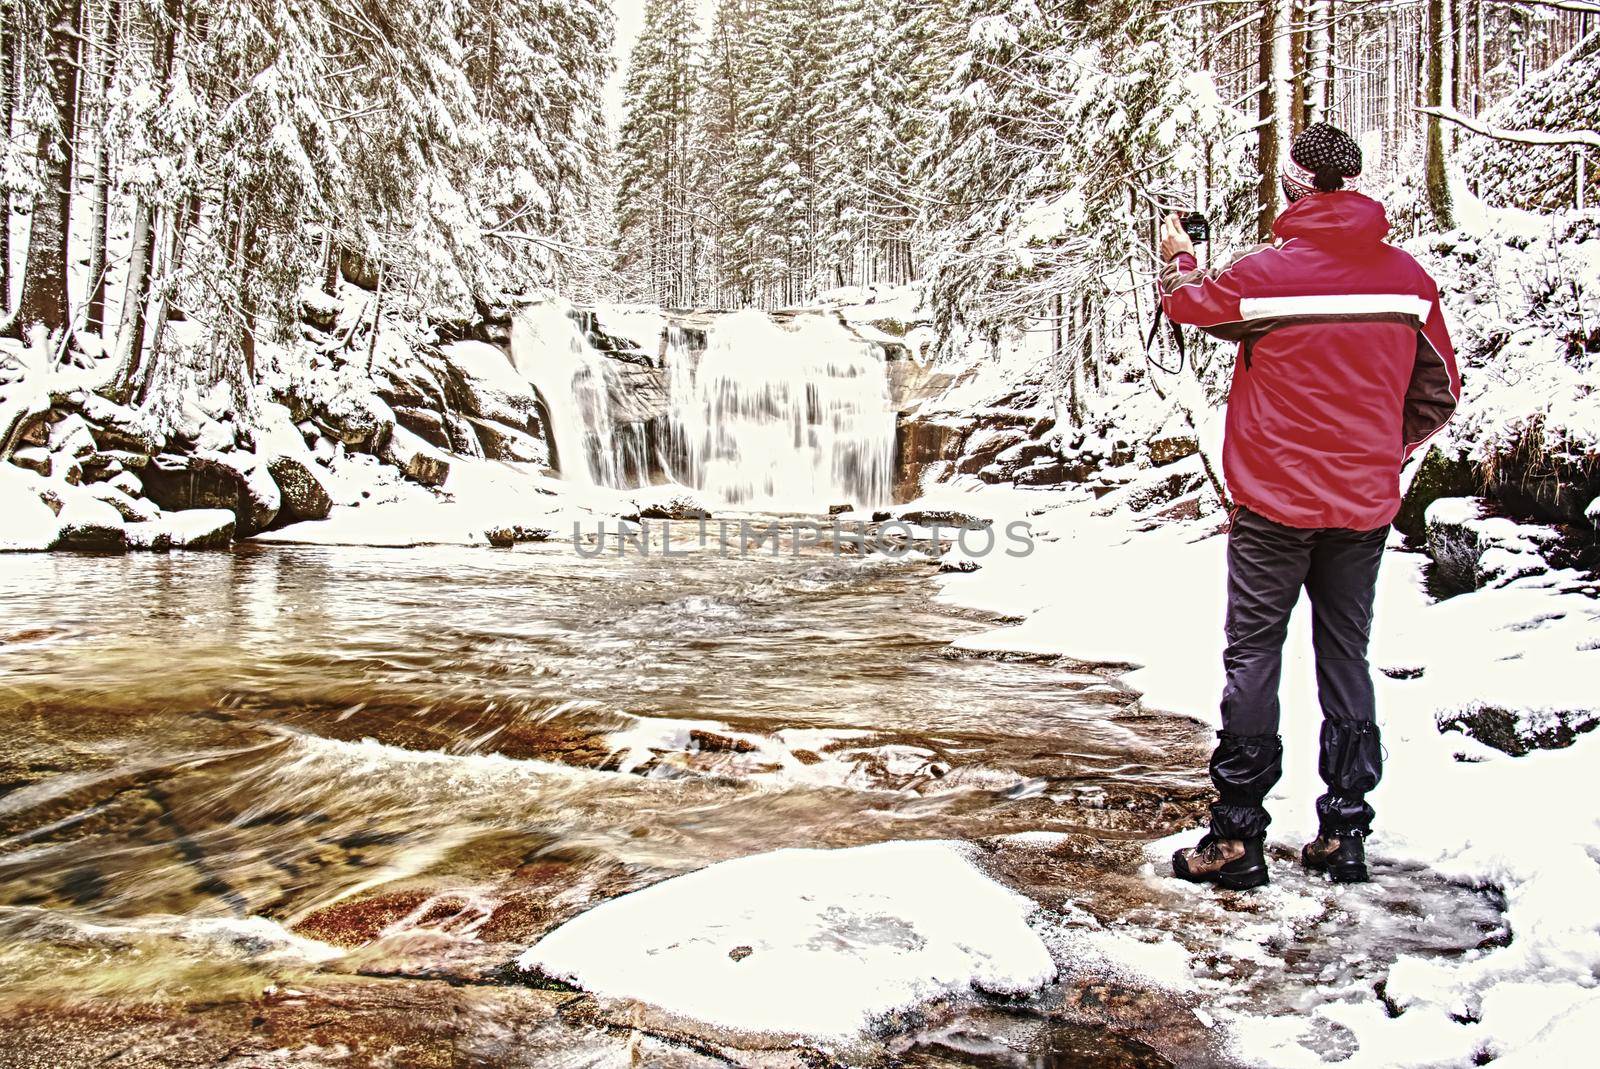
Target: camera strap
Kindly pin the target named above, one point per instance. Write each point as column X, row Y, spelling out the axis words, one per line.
column 1177, row 338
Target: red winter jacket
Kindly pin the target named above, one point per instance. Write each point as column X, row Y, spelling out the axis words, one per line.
column 1344, row 365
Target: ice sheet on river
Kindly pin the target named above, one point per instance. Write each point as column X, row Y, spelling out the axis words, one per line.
column 809, row 942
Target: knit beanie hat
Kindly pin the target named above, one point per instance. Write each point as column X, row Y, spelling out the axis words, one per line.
column 1322, row 159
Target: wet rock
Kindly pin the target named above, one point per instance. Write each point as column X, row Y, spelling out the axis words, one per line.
column 1520, row 731
column 1172, row 448
column 715, row 742
column 190, row 529
column 942, row 517
column 420, row 461
column 924, row 447
column 669, row 503
column 300, row 484
column 840, row 510
column 505, row 536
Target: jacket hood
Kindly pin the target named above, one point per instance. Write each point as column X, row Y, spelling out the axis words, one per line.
column 1332, row 218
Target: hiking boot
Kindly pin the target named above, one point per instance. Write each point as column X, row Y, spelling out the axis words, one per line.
column 1343, row 857
column 1236, row 864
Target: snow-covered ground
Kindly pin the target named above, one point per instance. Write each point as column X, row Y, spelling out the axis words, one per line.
column 1097, row 589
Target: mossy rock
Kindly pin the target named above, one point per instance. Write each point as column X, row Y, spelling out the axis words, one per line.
column 1443, row 474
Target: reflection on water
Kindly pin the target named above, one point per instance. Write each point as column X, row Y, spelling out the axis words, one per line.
column 282, row 777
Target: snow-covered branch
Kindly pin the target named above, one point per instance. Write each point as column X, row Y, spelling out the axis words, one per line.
column 1589, row 138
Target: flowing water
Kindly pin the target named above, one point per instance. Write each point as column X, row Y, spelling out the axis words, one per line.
column 792, row 415
column 301, row 806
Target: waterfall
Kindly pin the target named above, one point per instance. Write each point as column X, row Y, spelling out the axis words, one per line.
column 549, row 350
column 794, row 417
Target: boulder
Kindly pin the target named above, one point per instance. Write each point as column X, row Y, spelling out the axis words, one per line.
column 1471, row 548
column 231, row 481
column 420, row 461
column 1440, row 473
column 128, row 483
column 189, row 529
column 300, row 485
column 500, row 442
column 71, row 437
column 669, row 503
column 91, row 525
column 118, row 426
column 361, row 421
column 33, row 458
column 1172, row 448
column 507, row 535
column 425, row 423
column 131, row 509
column 942, row 517
column 488, row 386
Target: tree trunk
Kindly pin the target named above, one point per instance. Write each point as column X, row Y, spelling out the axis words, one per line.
column 95, row 320
column 1436, row 176
column 44, row 277
column 1272, row 111
column 9, row 43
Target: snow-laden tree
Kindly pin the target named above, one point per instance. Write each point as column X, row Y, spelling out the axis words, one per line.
column 657, row 210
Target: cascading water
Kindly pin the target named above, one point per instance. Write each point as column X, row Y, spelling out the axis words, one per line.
column 776, row 417
column 549, row 350
column 792, row 416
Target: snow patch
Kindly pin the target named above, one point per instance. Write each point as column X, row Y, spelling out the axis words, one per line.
column 817, row 943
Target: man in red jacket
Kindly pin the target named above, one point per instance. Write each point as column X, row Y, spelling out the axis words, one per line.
column 1344, row 368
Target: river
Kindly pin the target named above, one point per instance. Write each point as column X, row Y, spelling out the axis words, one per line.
column 302, row 806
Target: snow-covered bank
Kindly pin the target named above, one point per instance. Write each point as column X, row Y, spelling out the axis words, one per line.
column 1101, row 588
column 812, row 943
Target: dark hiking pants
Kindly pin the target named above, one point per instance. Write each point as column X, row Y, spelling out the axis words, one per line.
column 1268, row 564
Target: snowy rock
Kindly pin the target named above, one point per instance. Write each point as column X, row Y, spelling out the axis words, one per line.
column 71, row 436
column 1439, row 473
column 420, row 461
column 805, row 942
column 88, row 523
column 1519, row 731
column 361, row 421
column 1471, row 549
column 118, row 426
column 1172, row 448
column 127, row 482
column 131, row 509
column 1592, row 513
column 500, row 442
column 669, row 503
column 33, row 458
column 30, row 524
column 492, row 387
column 190, row 529
column 304, row 495
column 425, row 423
column 230, row 481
